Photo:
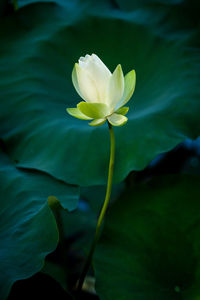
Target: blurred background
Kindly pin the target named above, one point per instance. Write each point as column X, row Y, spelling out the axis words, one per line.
column 150, row 246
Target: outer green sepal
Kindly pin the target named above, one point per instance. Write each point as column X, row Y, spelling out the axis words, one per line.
column 75, row 81
column 117, row 120
column 129, row 87
column 75, row 112
column 94, row 110
column 97, row 122
column 122, row 110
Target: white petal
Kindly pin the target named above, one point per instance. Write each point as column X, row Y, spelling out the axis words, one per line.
column 99, row 73
column 103, row 66
column 116, row 87
column 86, row 85
column 83, row 60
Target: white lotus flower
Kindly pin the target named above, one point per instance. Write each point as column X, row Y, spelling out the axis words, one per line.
column 104, row 92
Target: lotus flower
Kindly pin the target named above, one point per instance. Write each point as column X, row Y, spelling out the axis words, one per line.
column 104, row 93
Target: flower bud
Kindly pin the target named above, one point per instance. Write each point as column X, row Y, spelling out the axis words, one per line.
column 104, row 93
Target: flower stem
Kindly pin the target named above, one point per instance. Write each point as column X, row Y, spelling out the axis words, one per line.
column 103, row 210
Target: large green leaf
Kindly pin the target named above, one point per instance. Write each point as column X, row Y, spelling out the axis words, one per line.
column 3, row 4
column 150, row 247
column 78, row 229
column 175, row 18
column 28, row 229
column 66, row 3
column 39, row 46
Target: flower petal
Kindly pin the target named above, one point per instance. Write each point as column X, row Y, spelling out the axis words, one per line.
column 94, row 110
column 122, row 110
column 129, row 87
column 116, row 87
column 99, row 73
column 86, row 85
column 97, row 122
column 75, row 112
column 104, row 69
column 75, row 81
column 117, row 120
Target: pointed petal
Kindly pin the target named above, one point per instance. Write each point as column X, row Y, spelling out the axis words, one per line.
column 122, row 110
column 75, row 112
column 75, row 81
column 97, row 122
column 116, row 87
column 117, row 120
column 99, row 73
column 103, row 67
column 129, row 87
column 87, row 85
column 94, row 110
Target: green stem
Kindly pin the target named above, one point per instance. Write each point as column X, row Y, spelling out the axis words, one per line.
column 103, row 210
column 15, row 5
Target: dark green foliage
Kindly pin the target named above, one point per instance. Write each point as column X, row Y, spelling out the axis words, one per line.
column 40, row 44
column 150, row 243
